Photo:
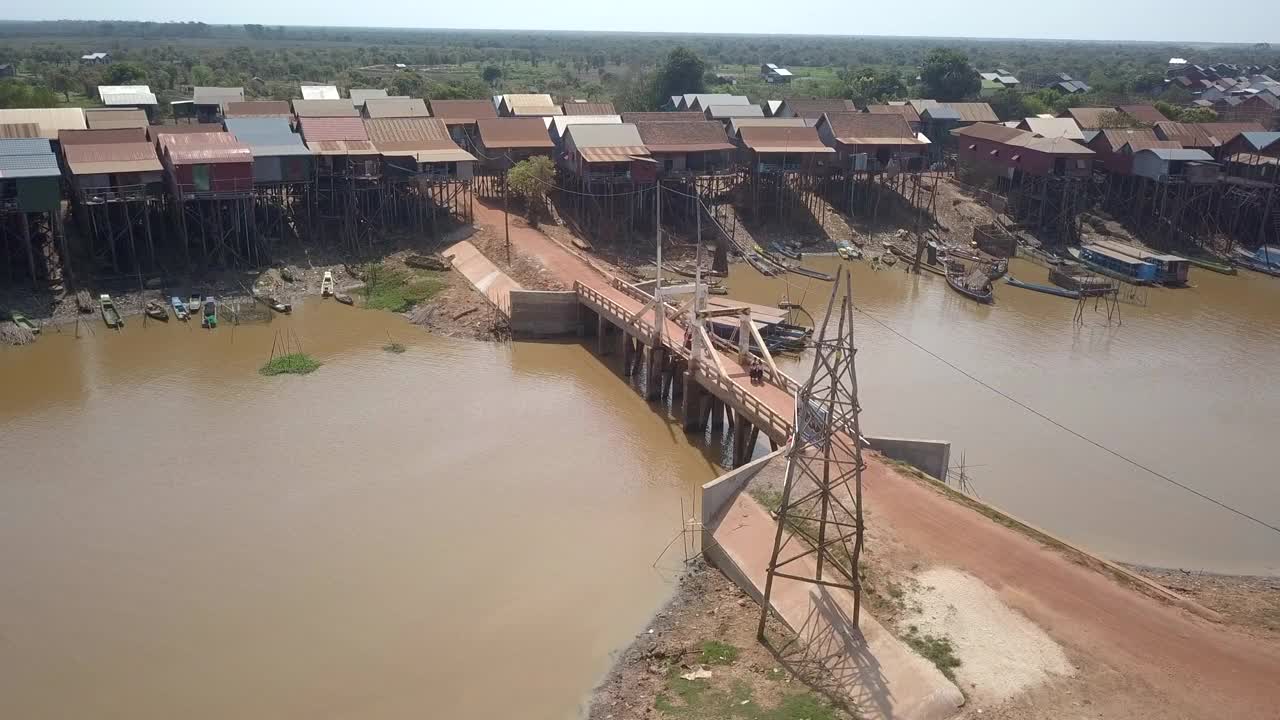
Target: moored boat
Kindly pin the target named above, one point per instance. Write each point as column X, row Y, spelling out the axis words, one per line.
column 807, row 272
column 179, row 308
column 194, row 300
column 977, row 286
column 1046, row 289
column 1214, row 265
column 156, row 311
column 326, row 284
column 279, row 306
column 849, row 252
column 209, row 313
column 786, row 251
column 1265, row 259
column 110, row 315
column 23, row 322
column 344, row 299
column 1115, row 265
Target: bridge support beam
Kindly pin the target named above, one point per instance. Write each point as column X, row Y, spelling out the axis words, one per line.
column 628, row 354
column 744, row 440
column 602, row 336
column 654, row 359
column 717, row 413
column 692, row 408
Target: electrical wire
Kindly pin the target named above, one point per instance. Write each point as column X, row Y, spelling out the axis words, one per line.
column 1069, row 430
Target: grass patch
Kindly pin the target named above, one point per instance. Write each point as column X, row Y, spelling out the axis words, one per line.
column 394, row 347
column 699, row 700
column 715, row 652
column 291, row 364
column 397, row 290
column 937, row 650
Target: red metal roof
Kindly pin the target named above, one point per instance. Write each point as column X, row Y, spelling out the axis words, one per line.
column 127, row 157
column 685, row 136
column 589, row 108
column 101, row 137
column 462, row 112
column 205, row 149
column 511, row 133
column 1143, row 113
column 319, row 129
column 155, row 131
column 783, row 139
column 907, row 112
column 674, row 116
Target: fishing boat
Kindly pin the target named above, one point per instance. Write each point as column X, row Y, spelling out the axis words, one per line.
column 976, row 286
column 997, row 270
column 807, row 272
column 759, row 264
column 326, row 284
column 21, row 321
column 1214, row 265
column 110, row 315
column 344, row 299
column 193, row 302
column 849, row 252
column 1265, row 259
column 156, row 311
column 786, row 251
column 1046, row 289
column 1115, row 265
column 179, row 308
column 279, row 306
column 209, row 312
column 900, row 252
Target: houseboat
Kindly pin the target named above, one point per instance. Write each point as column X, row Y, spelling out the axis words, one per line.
column 1116, row 265
column 1170, row 269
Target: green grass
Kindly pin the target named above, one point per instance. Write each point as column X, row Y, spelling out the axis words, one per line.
column 698, row 700
column 399, row 291
column 715, row 652
column 394, row 347
column 937, row 650
column 292, row 364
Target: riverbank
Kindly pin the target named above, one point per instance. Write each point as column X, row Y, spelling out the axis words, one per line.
column 699, row 658
column 1251, row 602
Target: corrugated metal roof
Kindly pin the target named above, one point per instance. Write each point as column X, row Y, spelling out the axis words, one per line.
column 623, row 135
column 112, row 119
column 205, row 148
column 736, row 124
column 155, row 131
column 260, row 127
column 687, row 136
column 25, row 146
column 974, row 111
column 414, row 137
column 1089, row 118
column 988, row 131
column 319, row 129
column 27, row 158
column 49, row 120
column 342, row 147
column 557, row 124
column 266, row 149
column 395, row 107
column 1021, row 138
column 724, row 112
column 855, row 128
column 907, row 112
column 320, row 92
column 815, row 107
column 217, row 95
column 1115, row 138
column 112, row 158
column 462, row 112
column 324, row 108
column 1054, row 128
column 612, row 154
column 674, row 116
column 1143, row 113
column 126, row 95
column 1147, row 143
column 1179, row 154
column 510, row 133
column 783, row 139
column 1261, row 140
column 534, row 110
column 589, row 108
column 102, row 137
column 703, row 100
column 528, row 99
column 19, row 130
column 258, row 108
column 358, row 96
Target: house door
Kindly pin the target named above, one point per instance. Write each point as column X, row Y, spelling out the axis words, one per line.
column 200, row 177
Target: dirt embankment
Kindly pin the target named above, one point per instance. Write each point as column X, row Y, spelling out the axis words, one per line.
column 698, row 658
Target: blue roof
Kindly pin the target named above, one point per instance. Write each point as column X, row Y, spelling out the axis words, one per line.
column 27, row 158
column 257, row 127
column 267, row 137
column 1261, row 140
column 1179, row 154
column 941, row 113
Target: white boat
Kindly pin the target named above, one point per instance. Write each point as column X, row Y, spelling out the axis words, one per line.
column 326, row 284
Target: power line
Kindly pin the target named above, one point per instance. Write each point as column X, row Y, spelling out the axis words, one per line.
column 1069, row 430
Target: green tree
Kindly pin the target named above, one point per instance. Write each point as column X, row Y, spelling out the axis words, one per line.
column 947, row 75
column 62, row 81
column 868, row 85
column 15, row 94
column 201, row 75
column 124, row 73
column 491, row 74
column 529, row 180
column 682, row 72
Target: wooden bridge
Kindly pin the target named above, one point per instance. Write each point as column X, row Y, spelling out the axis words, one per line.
column 685, row 364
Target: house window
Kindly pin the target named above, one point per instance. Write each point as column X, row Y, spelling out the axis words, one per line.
column 994, row 153
column 1016, row 158
column 973, row 147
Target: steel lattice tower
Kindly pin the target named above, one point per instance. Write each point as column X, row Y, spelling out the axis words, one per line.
column 822, row 498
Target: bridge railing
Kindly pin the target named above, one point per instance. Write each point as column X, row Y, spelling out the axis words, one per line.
column 746, row 400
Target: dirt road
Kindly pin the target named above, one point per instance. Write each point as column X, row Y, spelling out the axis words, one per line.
column 1197, row 668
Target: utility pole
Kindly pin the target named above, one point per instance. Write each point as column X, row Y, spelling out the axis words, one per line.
column 657, row 288
column 506, row 218
column 697, row 268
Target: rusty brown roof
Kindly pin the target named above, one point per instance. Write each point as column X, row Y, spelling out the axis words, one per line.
column 155, row 131
column 907, row 112
column 783, row 139
column 510, row 133
column 974, row 111
column 324, row 108
column 1222, row 133
column 205, row 149
column 1204, row 135
column 463, row 112
column 342, row 147
column 408, row 133
column 319, row 129
column 815, row 107
column 258, row 108
column 395, row 108
column 19, row 130
column 990, row 132
column 1089, row 118
column 855, row 128
column 112, row 119
column 126, row 157
column 1137, row 144
column 1112, row 139
column 589, row 108
column 1143, row 113
column 101, row 137
column 677, row 116
column 686, row 136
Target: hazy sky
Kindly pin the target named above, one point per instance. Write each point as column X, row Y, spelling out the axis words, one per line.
column 1175, row 20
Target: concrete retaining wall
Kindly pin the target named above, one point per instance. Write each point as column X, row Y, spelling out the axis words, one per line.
column 718, row 494
column 544, row 313
column 932, row 457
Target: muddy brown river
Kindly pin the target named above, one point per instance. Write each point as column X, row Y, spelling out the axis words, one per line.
column 469, row 529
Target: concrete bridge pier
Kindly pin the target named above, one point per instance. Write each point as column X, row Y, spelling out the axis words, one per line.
column 628, row 354
column 717, row 413
column 694, row 403
column 654, row 359
column 602, row 335
column 745, row 436
column 675, row 377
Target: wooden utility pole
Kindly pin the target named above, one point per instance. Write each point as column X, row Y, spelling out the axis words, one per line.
column 506, row 218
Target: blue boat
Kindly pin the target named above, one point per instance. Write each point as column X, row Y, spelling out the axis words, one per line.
column 1265, row 259
column 1116, row 265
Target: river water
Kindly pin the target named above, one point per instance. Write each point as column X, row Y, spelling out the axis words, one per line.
column 1185, row 385
column 469, row 529
column 464, row 530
